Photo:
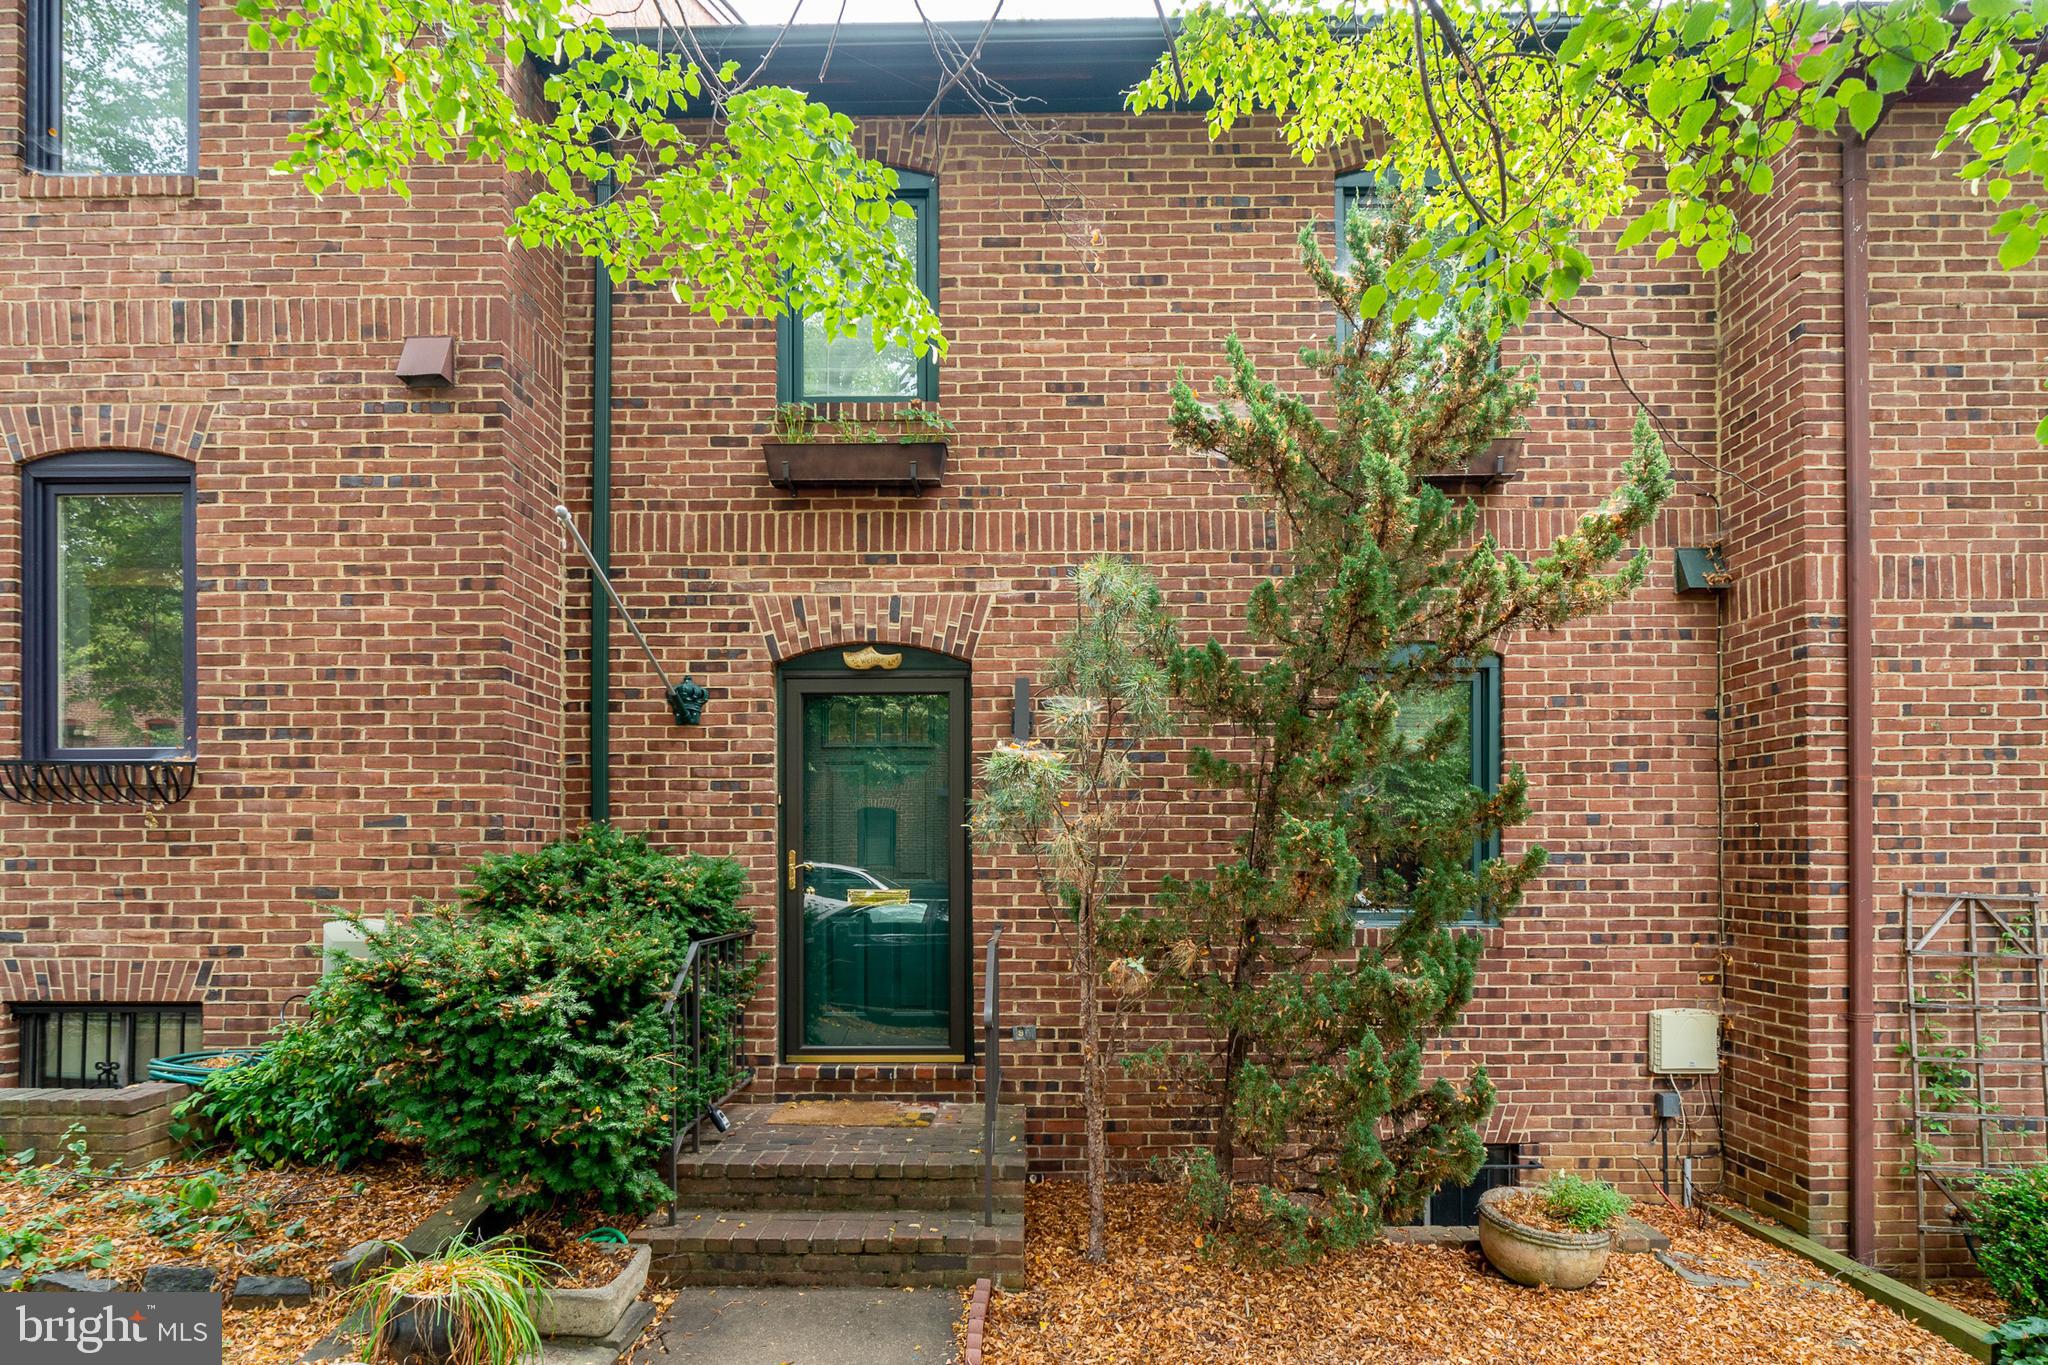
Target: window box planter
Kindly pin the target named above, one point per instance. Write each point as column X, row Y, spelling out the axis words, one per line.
column 901, row 466
column 594, row 1312
column 1499, row 462
column 1537, row 1256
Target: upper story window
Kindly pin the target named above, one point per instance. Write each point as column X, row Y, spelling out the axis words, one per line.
column 813, row 367
column 109, row 598
column 112, row 87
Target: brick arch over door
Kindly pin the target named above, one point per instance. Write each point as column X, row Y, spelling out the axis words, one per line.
column 945, row 622
column 31, row 431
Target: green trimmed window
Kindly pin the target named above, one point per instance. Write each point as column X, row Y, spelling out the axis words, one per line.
column 1360, row 192
column 814, row 367
column 1476, row 762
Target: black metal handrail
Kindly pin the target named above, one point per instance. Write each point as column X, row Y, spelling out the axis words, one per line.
column 992, row 1073
column 709, row 964
column 123, row 782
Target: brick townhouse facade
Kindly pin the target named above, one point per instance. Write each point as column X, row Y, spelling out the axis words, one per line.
column 390, row 670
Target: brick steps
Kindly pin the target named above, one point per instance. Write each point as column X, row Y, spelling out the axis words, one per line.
column 740, row 1176
column 874, row 1247
column 799, row 1203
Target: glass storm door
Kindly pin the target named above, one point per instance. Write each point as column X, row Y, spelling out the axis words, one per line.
column 874, row 885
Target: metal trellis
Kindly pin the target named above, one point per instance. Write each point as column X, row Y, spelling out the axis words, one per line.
column 1977, row 1042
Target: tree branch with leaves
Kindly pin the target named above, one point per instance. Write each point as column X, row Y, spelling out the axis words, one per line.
column 1542, row 124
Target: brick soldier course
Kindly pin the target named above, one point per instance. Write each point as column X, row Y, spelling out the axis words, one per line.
column 393, row 675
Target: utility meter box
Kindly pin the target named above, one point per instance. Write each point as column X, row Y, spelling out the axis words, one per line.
column 1684, row 1042
column 339, row 941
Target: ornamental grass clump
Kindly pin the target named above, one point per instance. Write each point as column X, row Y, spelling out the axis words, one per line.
column 471, row 1305
column 1583, row 1205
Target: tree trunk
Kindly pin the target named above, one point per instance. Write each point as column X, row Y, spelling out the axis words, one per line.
column 1093, row 1100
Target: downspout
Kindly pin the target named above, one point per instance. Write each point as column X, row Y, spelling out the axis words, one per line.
column 1862, row 1040
column 601, row 529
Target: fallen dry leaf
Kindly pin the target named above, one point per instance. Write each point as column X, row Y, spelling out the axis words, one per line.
column 1158, row 1298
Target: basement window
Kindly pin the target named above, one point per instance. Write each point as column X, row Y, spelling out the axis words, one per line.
column 813, row 366
column 72, row 1047
column 109, row 606
column 1457, row 1206
column 113, row 87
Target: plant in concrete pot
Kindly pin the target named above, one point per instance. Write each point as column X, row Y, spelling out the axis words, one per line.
column 471, row 1305
column 1558, row 1235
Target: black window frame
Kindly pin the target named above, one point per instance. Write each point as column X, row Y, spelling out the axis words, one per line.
column 921, row 192
column 1454, row 1205
column 93, row 472
column 1488, row 764
column 43, row 132
column 37, row 1019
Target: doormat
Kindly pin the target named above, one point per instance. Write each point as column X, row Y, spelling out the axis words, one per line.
column 853, row 1114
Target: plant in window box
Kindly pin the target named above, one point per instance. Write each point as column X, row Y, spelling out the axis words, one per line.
column 904, row 448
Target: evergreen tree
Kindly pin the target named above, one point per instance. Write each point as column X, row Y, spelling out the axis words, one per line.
column 1342, row 733
column 1063, row 799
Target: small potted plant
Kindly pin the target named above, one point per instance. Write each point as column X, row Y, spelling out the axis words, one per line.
column 1558, row 1234
column 471, row 1305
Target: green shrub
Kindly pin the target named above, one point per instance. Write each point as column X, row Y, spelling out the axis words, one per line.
column 1588, row 1205
column 2009, row 1228
column 602, row 871
column 2019, row 1339
column 309, row 1098
column 519, row 1037
column 527, row 1050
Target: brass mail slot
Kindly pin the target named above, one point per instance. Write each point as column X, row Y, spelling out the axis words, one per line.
column 878, row 896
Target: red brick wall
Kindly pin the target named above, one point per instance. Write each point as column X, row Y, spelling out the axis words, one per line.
column 380, row 597
column 1781, row 409
column 1961, row 614
column 1057, row 384
column 1960, row 530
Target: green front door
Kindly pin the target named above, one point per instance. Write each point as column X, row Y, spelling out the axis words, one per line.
column 874, row 905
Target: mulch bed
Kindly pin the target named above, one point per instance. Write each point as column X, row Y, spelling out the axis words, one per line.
column 579, row 1264
column 1159, row 1298
column 293, row 1222
column 1973, row 1296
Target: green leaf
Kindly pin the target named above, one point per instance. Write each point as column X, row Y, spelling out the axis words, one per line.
column 1865, row 106
column 1637, row 231
column 2020, row 246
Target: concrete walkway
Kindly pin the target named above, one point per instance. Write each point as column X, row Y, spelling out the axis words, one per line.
column 810, row 1327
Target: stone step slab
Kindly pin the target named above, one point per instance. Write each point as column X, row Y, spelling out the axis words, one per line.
column 713, row 1246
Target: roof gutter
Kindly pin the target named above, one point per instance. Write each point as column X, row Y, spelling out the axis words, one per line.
column 1862, row 946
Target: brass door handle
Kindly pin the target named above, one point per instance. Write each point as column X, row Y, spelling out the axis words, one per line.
column 792, row 869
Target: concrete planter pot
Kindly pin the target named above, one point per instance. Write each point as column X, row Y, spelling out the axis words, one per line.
column 593, row 1312
column 1538, row 1256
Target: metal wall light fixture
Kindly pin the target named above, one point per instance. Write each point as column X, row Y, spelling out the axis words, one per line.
column 686, row 698
column 1020, row 711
